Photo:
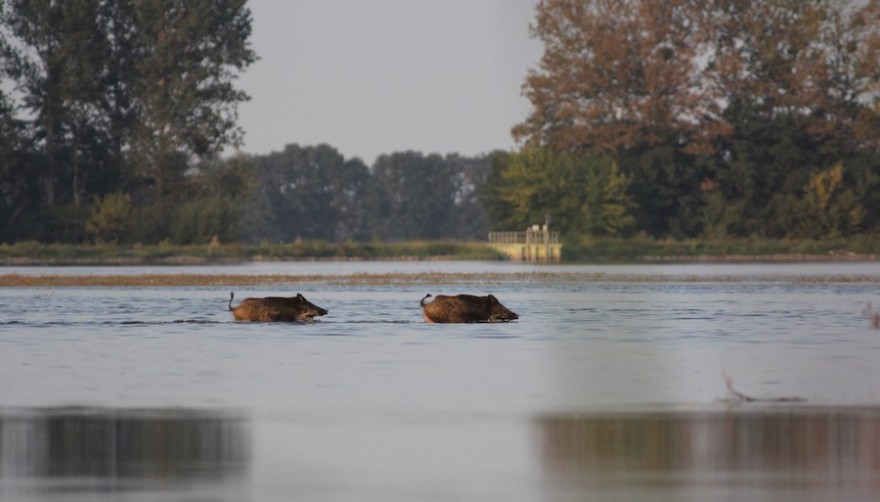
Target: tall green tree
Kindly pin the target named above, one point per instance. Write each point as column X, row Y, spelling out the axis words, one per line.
column 17, row 192
column 60, row 71
column 123, row 95
column 579, row 194
column 309, row 193
column 187, row 54
column 216, row 194
column 470, row 174
column 415, row 196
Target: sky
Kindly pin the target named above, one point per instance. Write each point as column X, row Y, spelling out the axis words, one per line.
column 372, row 77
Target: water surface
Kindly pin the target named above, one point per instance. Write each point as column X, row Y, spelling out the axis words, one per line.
column 605, row 389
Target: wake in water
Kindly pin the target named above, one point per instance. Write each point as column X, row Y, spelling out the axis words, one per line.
column 37, row 324
column 34, row 324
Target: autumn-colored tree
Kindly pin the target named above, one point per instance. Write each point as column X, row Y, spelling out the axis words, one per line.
column 817, row 62
column 110, row 218
column 617, row 74
column 801, row 95
column 625, row 78
column 727, row 103
column 832, row 205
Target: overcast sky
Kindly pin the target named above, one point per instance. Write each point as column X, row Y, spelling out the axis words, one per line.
column 379, row 76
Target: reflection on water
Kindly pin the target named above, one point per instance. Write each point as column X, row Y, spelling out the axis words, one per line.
column 100, row 449
column 814, row 453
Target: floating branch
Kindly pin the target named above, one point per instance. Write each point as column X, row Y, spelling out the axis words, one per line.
column 739, row 396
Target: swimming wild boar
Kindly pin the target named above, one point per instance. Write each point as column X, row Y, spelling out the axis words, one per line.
column 465, row 308
column 275, row 309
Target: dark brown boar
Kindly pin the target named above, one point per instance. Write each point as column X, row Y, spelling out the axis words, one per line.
column 465, row 308
column 275, row 309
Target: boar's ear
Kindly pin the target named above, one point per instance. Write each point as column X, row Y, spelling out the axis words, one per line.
column 492, row 300
column 300, row 298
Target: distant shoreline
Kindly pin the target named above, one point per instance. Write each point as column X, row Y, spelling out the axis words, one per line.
column 184, row 260
column 586, row 250
column 772, row 258
column 188, row 260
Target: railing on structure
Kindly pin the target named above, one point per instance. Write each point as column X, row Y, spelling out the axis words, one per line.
column 531, row 236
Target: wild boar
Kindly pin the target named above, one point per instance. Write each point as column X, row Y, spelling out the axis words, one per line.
column 465, row 308
column 275, row 309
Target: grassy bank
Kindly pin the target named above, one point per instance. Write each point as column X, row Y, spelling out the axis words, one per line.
column 606, row 250
column 587, row 250
column 33, row 253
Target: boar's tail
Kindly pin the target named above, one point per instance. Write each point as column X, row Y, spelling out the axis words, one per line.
column 422, row 303
column 231, row 296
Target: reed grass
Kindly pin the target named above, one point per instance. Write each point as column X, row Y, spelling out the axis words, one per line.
column 644, row 249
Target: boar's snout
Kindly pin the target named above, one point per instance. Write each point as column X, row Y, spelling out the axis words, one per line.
column 503, row 315
column 511, row 316
column 499, row 312
column 311, row 310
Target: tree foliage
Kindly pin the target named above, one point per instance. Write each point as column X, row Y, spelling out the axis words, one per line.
column 111, row 96
column 578, row 194
column 719, row 112
column 414, row 194
column 187, row 54
column 616, row 75
column 308, row 193
column 622, row 74
column 110, row 218
column 313, row 192
column 417, row 196
column 56, row 57
column 679, row 118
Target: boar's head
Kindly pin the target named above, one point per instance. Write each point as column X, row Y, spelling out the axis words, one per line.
column 308, row 309
column 498, row 312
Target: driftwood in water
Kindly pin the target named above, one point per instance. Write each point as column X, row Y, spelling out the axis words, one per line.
column 739, row 396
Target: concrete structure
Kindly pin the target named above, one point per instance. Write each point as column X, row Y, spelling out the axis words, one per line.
column 537, row 243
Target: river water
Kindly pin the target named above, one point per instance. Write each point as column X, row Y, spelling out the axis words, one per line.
column 611, row 386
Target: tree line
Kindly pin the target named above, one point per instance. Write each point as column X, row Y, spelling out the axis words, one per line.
column 682, row 118
column 113, row 116
column 313, row 192
column 110, row 104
